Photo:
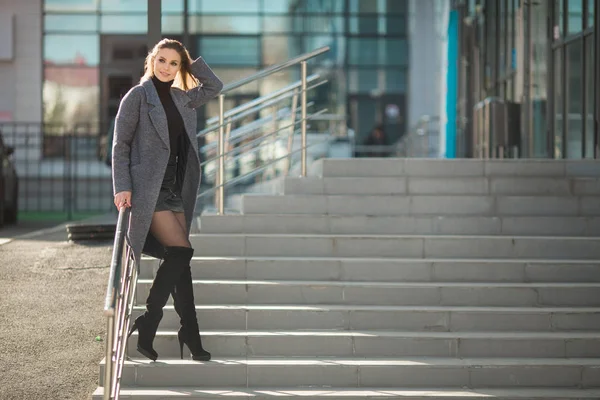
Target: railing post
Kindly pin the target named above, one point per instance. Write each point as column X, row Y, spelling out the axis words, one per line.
column 303, row 122
column 108, row 360
column 220, row 195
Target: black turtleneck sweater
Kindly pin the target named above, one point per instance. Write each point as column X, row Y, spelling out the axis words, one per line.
column 174, row 120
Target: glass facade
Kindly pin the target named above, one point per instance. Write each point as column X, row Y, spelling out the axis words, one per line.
column 94, row 51
column 539, row 58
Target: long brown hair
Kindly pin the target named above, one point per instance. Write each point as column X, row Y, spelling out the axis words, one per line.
column 184, row 79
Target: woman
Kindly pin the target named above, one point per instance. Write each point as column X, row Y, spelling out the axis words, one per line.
column 156, row 172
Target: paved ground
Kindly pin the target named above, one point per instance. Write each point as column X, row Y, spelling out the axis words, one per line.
column 51, row 298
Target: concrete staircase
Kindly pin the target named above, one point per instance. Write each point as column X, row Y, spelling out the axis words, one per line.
column 391, row 278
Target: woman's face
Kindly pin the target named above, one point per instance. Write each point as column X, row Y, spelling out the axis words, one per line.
column 166, row 64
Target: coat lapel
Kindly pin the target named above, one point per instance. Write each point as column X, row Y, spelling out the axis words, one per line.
column 181, row 99
column 156, row 112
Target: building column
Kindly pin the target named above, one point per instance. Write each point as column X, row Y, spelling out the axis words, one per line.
column 154, row 23
column 596, row 77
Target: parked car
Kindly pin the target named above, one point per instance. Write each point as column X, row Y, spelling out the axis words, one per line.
column 9, row 185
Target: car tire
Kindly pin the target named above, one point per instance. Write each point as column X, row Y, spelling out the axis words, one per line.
column 10, row 213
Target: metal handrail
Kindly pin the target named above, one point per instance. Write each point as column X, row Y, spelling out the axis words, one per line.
column 118, row 304
column 302, row 60
column 273, row 69
column 257, row 170
column 242, row 113
column 261, row 100
column 259, row 139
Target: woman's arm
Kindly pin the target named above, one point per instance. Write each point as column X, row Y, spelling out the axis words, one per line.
column 125, row 126
column 210, row 86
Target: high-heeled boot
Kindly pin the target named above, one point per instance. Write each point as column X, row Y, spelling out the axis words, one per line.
column 168, row 273
column 183, row 300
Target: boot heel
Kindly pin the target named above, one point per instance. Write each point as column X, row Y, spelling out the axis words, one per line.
column 181, row 346
column 133, row 328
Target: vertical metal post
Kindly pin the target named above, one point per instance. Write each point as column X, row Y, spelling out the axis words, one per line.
column 290, row 143
column 303, row 116
column 108, row 360
column 220, row 194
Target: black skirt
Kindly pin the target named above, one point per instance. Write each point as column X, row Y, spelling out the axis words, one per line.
column 169, row 197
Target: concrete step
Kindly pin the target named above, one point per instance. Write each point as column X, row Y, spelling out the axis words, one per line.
column 175, row 393
column 514, row 185
column 242, row 372
column 420, row 205
column 390, row 293
column 383, row 344
column 401, row 225
column 388, row 270
column 409, row 318
column 395, row 246
column 402, row 167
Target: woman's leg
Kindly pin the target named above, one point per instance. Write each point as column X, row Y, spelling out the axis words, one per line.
column 178, row 253
column 185, row 306
column 168, row 230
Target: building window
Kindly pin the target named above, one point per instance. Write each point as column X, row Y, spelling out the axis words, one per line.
column 230, row 50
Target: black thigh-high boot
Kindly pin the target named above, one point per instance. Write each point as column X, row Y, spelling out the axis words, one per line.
column 175, row 259
column 185, row 306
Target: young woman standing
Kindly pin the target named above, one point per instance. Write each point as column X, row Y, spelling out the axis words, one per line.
column 156, row 172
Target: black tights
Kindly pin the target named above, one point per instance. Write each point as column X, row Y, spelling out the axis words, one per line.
column 169, row 228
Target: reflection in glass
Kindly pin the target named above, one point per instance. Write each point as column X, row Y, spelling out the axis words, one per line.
column 70, row 5
column 229, row 50
column 171, row 6
column 396, row 52
column 575, row 9
column 365, row 7
column 379, row 6
column 323, row 24
column 224, row 24
column 277, row 24
column 589, row 97
column 224, row 6
column 574, row 100
column 71, row 22
column 364, row 24
column 276, row 6
column 71, row 95
column 558, row 104
column 363, row 51
column 364, row 80
column 125, row 5
column 590, row 21
column 332, row 6
column 71, row 49
column 393, row 25
column 395, row 7
column 172, row 24
column 124, row 23
column 372, row 51
column 395, row 80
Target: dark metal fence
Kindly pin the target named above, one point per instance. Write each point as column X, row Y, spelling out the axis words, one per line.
column 60, row 169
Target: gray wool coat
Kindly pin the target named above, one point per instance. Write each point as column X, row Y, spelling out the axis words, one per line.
column 141, row 149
